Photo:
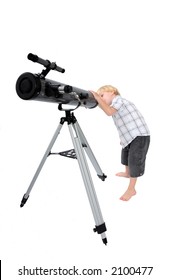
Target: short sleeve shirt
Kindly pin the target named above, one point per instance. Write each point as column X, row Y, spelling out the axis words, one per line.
column 128, row 120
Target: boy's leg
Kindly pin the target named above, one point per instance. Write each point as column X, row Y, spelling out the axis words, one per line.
column 136, row 160
column 124, row 161
column 125, row 173
column 130, row 191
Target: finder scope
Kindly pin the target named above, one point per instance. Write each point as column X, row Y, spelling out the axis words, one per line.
column 36, row 87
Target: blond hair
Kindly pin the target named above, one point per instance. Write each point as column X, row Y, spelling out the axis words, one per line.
column 108, row 88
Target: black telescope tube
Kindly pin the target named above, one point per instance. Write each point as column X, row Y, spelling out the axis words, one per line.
column 33, row 87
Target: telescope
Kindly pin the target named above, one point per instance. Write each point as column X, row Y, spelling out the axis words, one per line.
column 36, row 87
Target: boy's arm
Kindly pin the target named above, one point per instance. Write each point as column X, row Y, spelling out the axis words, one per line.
column 106, row 108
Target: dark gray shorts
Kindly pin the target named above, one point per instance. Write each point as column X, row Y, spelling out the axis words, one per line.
column 134, row 155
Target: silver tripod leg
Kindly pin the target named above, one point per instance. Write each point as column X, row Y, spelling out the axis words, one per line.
column 76, row 139
column 26, row 195
column 89, row 152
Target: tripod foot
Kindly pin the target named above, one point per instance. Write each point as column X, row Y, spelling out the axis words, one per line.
column 102, row 177
column 100, row 230
column 24, row 199
column 104, row 241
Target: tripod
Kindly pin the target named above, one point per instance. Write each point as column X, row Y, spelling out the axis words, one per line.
column 80, row 144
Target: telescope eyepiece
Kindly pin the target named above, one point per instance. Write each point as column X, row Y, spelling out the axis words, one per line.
column 32, row 57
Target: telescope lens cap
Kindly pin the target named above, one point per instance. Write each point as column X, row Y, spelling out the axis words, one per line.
column 27, row 86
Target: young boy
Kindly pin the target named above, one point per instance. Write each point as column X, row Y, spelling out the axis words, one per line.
column 133, row 132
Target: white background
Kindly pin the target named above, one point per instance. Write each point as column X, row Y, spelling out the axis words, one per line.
column 123, row 43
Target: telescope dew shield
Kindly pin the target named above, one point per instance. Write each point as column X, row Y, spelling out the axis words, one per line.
column 33, row 87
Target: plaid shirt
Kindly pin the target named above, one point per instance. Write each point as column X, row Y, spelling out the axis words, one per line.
column 128, row 120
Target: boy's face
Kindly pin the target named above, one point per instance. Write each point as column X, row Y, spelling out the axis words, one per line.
column 107, row 97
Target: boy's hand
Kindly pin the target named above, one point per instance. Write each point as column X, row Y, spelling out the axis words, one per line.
column 103, row 105
column 95, row 94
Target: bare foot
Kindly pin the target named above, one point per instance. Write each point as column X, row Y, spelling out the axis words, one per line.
column 127, row 195
column 122, row 174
